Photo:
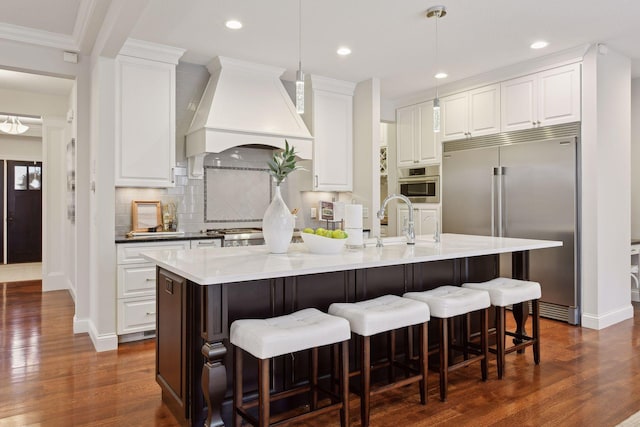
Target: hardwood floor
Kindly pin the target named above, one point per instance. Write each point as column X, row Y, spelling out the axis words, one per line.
column 50, row 376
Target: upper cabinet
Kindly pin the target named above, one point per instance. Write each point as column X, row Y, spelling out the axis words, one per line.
column 145, row 139
column 472, row 113
column 329, row 116
column 547, row 98
column 416, row 141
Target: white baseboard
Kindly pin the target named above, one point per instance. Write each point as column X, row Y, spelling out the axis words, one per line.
column 600, row 322
column 54, row 282
column 72, row 290
column 80, row 326
column 104, row 342
column 635, row 295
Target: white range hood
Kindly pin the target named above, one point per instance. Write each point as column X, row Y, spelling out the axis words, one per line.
column 244, row 104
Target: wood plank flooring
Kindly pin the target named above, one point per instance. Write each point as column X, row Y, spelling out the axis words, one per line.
column 50, row 376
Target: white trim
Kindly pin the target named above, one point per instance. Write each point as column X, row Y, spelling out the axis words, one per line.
column 85, row 11
column 608, row 319
column 38, row 37
column 54, row 282
column 80, row 326
column 105, row 342
column 152, row 51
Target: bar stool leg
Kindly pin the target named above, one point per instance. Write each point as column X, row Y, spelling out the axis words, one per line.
column 484, row 341
column 263, row 392
column 391, row 354
column 500, row 338
column 237, row 385
column 424, row 361
column 365, row 381
column 335, row 369
column 313, row 378
column 536, row 330
column 444, row 358
column 344, row 383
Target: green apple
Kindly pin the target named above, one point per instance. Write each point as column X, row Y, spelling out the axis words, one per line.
column 337, row 234
column 321, row 231
column 308, row 230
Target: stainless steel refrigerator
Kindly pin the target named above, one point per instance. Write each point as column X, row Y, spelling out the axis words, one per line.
column 521, row 184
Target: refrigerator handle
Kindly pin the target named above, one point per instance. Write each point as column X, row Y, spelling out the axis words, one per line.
column 501, row 213
column 497, row 228
column 494, row 185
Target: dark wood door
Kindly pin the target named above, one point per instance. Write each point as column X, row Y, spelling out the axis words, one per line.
column 24, row 211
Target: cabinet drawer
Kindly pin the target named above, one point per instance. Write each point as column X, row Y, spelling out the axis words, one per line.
column 206, row 243
column 136, row 315
column 136, row 280
column 129, row 253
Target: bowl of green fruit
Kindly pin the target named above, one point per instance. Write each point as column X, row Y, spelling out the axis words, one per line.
column 321, row 241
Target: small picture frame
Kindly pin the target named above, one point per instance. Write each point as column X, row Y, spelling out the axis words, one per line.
column 145, row 215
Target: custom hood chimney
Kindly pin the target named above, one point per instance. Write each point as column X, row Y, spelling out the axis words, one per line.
column 244, row 104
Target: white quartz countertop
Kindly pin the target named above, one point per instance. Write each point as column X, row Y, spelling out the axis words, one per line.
column 207, row 266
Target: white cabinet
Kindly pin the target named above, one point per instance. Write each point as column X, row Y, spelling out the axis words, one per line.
column 136, row 286
column 329, row 117
column 471, row 113
column 547, row 98
column 425, row 218
column 145, row 117
column 416, row 141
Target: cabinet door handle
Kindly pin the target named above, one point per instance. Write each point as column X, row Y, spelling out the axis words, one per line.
column 151, row 313
column 173, row 175
column 533, row 123
column 168, row 286
column 207, row 243
column 538, row 122
column 316, row 178
column 150, row 279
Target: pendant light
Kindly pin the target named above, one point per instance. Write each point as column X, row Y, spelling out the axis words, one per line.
column 436, row 12
column 13, row 126
column 300, row 74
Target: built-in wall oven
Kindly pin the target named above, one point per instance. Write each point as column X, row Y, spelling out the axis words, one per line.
column 420, row 185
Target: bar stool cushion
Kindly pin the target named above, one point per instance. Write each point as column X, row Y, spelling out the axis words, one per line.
column 381, row 314
column 449, row 301
column 504, row 291
column 304, row 329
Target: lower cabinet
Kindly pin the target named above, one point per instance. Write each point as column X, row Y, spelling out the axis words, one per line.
column 136, row 289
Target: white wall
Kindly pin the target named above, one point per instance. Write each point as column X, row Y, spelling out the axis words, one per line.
column 366, row 151
column 635, row 158
column 606, row 188
column 20, row 148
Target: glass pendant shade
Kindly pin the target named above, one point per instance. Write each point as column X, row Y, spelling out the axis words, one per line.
column 12, row 126
column 436, row 115
column 300, row 92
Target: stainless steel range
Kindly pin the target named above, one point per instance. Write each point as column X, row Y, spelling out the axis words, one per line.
column 238, row 236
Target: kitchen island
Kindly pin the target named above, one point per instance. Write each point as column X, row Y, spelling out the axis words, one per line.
column 201, row 292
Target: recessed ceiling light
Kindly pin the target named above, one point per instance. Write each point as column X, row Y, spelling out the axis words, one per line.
column 344, row 51
column 441, row 75
column 539, row 44
column 233, row 24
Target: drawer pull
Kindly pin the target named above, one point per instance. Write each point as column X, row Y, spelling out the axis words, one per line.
column 151, row 313
column 206, row 243
column 150, row 279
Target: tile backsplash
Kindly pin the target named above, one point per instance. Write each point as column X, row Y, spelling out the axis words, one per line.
column 233, row 204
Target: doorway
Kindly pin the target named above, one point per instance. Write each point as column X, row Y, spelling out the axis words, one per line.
column 24, row 211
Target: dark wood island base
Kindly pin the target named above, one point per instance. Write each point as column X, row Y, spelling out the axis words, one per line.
column 193, row 366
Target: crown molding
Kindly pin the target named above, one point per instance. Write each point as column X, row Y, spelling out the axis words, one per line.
column 38, row 37
column 152, row 51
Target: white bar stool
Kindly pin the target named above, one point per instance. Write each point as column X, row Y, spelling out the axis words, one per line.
column 504, row 292
column 268, row 338
column 385, row 314
column 445, row 303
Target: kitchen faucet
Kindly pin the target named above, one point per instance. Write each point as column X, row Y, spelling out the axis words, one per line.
column 410, row 232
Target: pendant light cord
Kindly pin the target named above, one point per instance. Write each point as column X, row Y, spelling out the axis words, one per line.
column 437, row 59
column 299, row 34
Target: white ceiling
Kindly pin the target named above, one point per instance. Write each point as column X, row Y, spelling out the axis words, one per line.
column 391, row 40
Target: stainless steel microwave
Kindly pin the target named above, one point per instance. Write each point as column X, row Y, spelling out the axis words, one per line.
column 420, row 185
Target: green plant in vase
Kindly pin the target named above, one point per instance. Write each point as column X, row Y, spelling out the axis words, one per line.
column 283, row 163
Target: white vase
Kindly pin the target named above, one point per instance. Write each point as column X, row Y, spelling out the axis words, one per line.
column 277, row 225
